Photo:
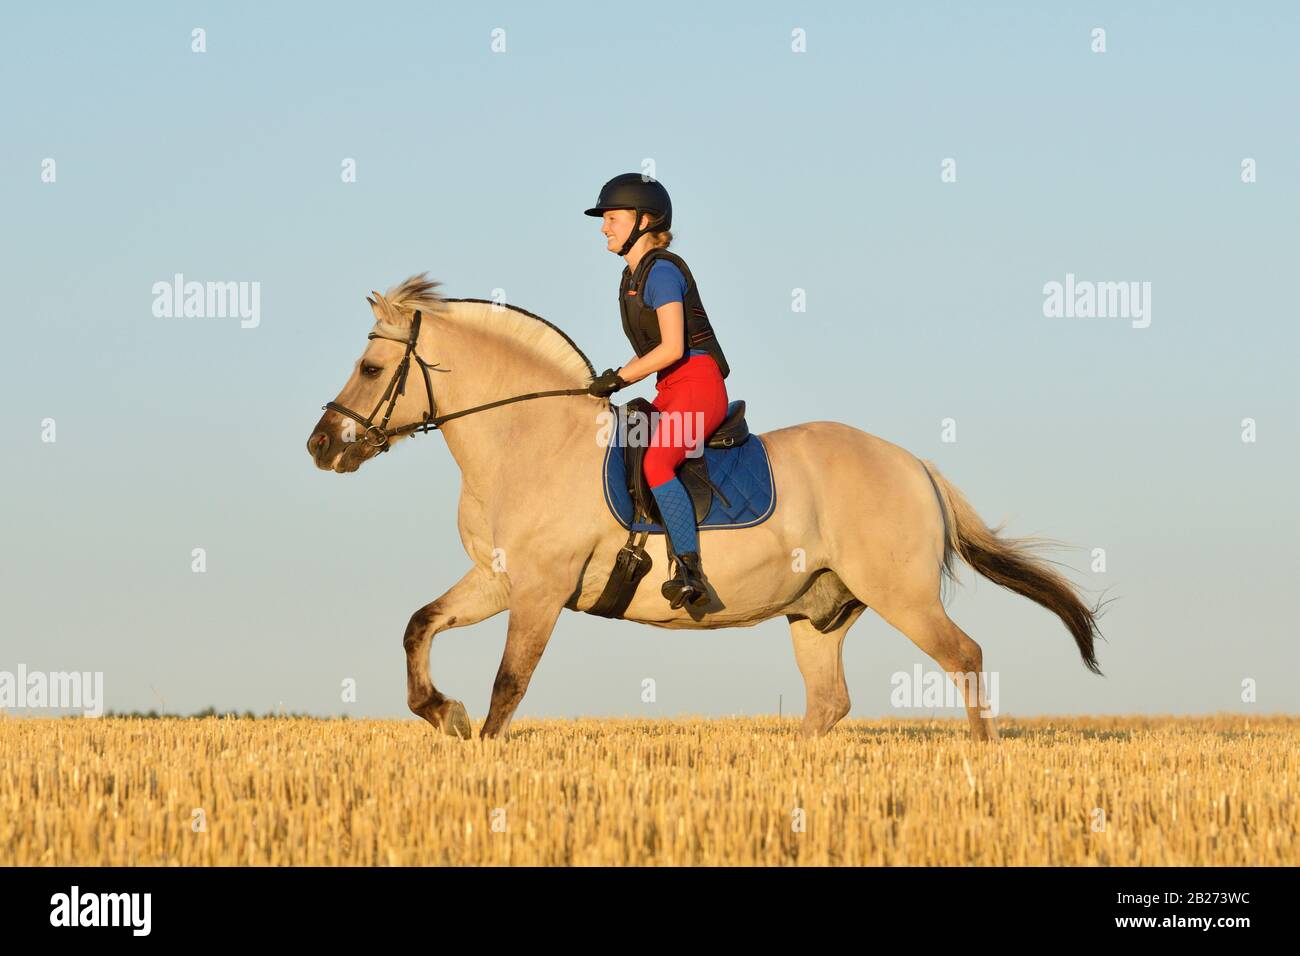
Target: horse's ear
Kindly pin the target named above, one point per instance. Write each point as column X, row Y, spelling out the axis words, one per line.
column 378, row 306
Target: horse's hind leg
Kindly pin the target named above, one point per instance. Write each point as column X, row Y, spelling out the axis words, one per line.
column 900, row 579
column 930, row 629
column 821, row 662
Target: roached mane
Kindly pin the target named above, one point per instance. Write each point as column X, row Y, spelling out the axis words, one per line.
column 528, row 330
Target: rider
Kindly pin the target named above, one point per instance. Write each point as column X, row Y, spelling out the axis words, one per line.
column 665, row 321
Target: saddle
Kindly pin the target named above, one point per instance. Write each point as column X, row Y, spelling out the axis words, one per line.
column 693, row 472
column 729, row 460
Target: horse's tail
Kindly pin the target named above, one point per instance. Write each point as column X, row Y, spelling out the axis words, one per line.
column 1012, row 563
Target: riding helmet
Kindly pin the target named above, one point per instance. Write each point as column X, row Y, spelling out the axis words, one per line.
column 636, row 192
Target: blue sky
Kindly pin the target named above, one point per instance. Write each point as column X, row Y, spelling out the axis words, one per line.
column 816, row 170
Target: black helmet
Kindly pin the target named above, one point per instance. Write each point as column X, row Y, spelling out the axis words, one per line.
column 636, row 192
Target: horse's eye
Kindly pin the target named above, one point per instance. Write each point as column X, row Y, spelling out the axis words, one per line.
column 370, row 370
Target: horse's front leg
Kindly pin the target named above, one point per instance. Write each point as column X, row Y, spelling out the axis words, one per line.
column 532, row 619
column 475, row 597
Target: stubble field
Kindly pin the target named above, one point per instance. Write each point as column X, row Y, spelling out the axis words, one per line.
column 1077, row 791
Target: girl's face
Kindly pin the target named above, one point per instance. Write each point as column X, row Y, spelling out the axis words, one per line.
column 616, row 226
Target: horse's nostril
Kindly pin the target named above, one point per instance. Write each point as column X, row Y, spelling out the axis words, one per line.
column 317, row 443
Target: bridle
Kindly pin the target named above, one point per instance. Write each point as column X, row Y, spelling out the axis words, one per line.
column 431, row 420
column 396, row 388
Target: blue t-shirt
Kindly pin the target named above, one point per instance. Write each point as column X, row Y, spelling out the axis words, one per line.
column 665, row 283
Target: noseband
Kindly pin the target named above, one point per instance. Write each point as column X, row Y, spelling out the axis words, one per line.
column 431, row 420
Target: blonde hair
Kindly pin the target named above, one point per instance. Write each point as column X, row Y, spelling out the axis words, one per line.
column 658, row 240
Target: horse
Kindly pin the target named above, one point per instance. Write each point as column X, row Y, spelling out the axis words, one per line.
column 861, row 522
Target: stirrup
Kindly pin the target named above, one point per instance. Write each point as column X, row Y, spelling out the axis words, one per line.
column 685, row 587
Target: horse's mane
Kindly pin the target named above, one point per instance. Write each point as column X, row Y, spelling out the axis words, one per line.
column 531, row 332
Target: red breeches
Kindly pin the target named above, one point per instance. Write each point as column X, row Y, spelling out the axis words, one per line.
column 692, row 402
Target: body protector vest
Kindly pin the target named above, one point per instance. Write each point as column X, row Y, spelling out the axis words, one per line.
column 641, row 322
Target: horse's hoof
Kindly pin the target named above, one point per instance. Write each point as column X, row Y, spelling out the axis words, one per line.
column 455, row 723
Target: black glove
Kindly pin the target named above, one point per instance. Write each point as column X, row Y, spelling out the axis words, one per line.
column 606, row 383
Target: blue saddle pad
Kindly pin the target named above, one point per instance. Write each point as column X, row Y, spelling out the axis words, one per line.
column 743, row 473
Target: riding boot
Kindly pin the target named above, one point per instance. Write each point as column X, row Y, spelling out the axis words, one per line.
column 678, row 513
column 687, row 585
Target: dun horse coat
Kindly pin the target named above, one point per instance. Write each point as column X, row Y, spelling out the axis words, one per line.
column 860, row 523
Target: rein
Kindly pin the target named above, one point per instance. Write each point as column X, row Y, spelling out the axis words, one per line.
column 431, row 420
